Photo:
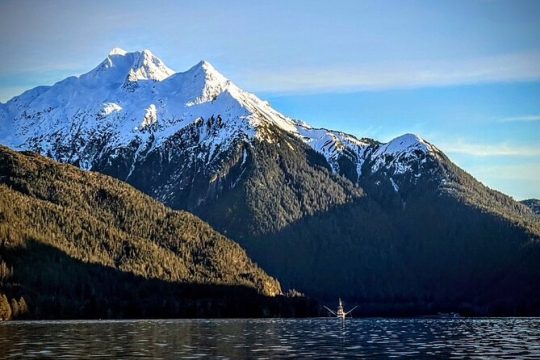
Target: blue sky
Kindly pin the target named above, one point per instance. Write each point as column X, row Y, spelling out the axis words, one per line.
column 465, row 75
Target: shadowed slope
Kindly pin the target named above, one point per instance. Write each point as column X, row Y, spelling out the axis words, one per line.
column 64, row 222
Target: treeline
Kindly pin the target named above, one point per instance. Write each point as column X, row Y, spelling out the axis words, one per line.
column 84, row 245
column 57, row 286
column 14, row 309
column 533, row 204
column 10, row 308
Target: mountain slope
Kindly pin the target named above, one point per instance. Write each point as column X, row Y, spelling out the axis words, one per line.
column 396, row 226
column 76, row 238
column 533, row 204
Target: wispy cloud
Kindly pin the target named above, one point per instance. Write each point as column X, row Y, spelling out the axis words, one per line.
column 510, row 172
column 391, row 75
column 524, row 118
column 520, row 180
column 487, row 150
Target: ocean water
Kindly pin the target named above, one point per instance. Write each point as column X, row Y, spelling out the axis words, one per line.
column 272, row 338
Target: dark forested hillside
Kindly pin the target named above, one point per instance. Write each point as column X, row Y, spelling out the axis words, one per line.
column 533, row 204
column 80, row 244
column 451, row 245
column 443, row 242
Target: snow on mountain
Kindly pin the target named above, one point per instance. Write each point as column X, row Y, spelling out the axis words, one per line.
column 134, row 98
column 403, row 144
column 121, row 66
column 333, row 144
column 399, row 152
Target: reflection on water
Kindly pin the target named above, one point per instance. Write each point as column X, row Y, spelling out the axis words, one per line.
column 272, row 338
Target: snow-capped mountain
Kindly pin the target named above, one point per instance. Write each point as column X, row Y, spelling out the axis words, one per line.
column 134, row 101
column 326, row 212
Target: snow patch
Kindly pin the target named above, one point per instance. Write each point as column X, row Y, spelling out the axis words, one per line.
column 244, row 157
column 108, row 109
column 332, row 144
column 150, row 117
column 400, row 153
column 394, row 185
column 118, row 51
column 404, row 143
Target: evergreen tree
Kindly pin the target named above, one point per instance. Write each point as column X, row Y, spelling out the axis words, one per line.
column 14, row 308
column 5, row 308
column 23, row 307
column 5, row 272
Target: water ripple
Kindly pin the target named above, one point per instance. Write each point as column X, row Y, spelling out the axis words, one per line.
column 506, row 338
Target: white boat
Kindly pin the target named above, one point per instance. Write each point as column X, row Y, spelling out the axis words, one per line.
column 340, row 312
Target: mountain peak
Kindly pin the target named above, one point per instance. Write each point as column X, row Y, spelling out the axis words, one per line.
column 120, row 66
column 199, row 84
column 204, row 64
column 147, row 66
column 405, row 143
column 118, row 51
column 206, row 69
